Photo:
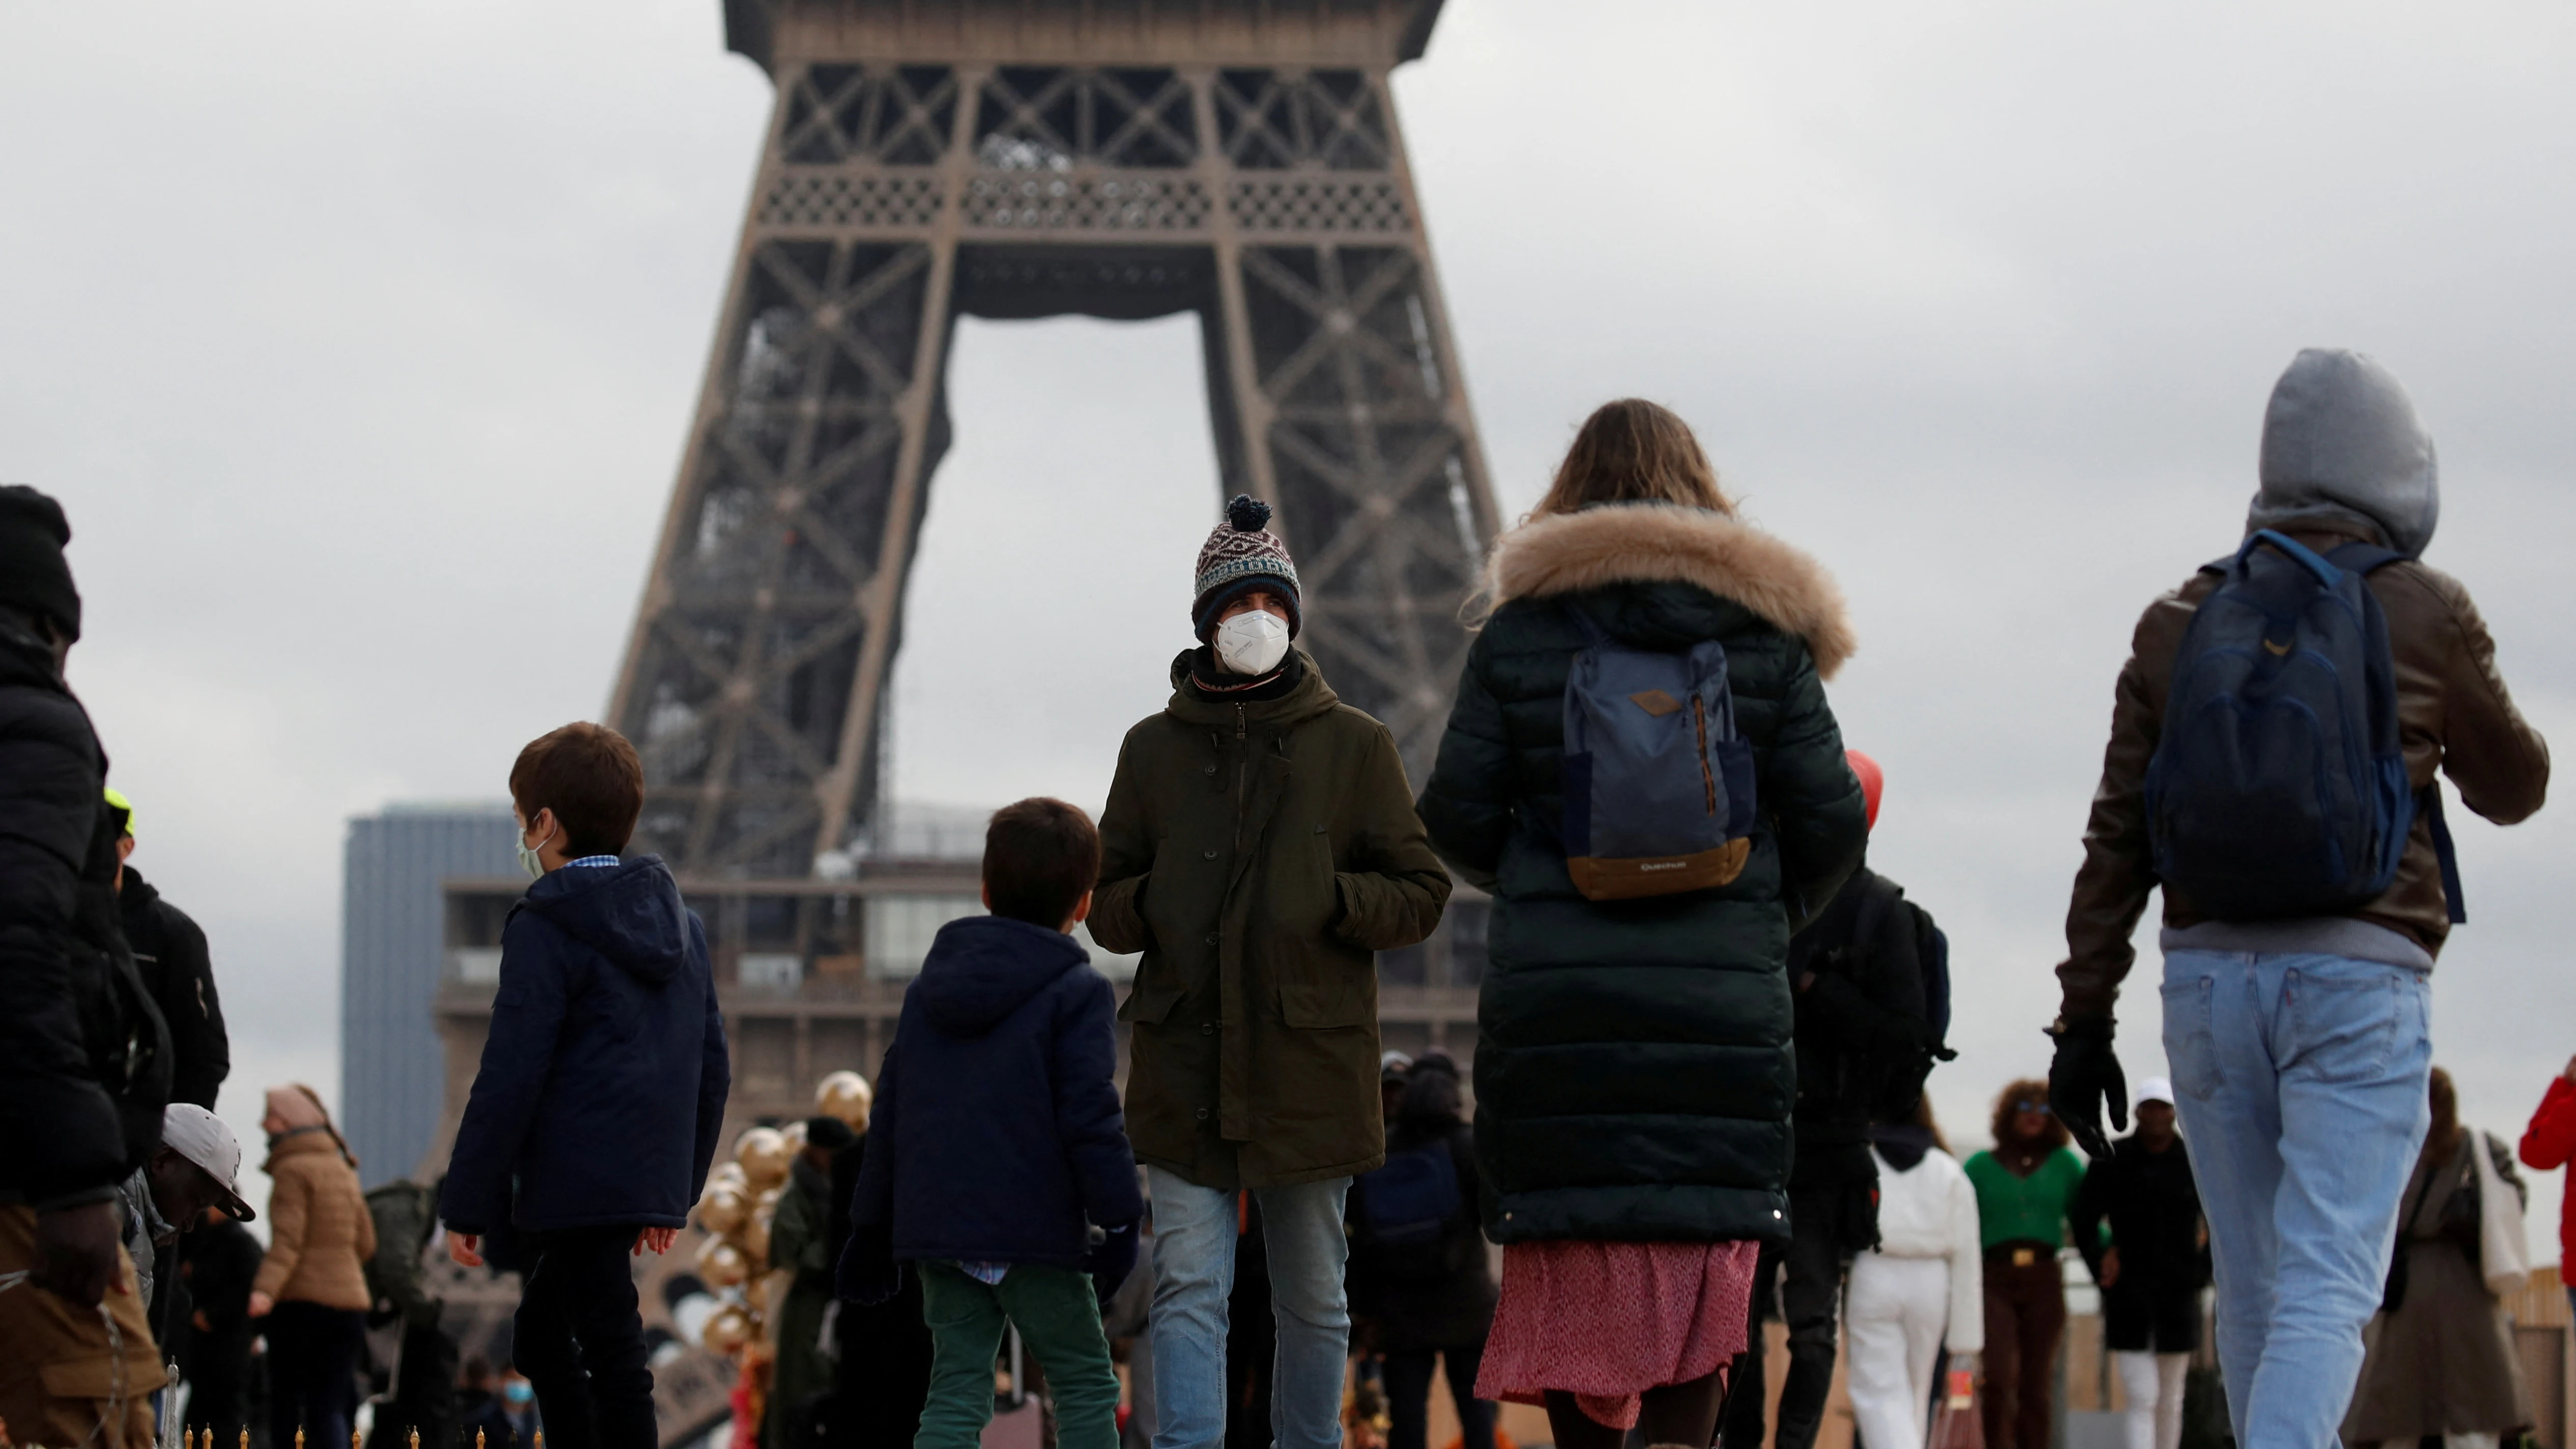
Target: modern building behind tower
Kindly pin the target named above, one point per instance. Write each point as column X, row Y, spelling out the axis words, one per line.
column 393, row 932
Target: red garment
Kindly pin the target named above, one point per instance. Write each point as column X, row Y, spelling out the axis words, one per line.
column 1607, row 1321
column 2547, row 1144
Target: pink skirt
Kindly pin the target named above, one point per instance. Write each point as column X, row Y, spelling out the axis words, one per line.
column 1607, row 1321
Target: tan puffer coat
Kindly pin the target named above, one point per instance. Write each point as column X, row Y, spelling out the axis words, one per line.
column 320, row 1235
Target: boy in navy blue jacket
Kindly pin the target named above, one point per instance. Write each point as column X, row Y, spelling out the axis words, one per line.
column 998, row 1163
column 595, row 1112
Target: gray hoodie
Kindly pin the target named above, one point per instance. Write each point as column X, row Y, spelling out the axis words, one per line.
column 2341, row 442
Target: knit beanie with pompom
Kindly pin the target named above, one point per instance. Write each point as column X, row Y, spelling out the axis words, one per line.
column 1240, row 556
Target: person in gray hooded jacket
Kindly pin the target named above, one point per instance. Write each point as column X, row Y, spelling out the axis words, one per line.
column 2300, row 1046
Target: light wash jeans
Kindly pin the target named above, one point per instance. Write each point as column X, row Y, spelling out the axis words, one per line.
column 1194, row 1239
column 2302, row 1079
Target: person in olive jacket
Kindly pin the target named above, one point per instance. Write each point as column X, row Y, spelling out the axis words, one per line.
column 1634, row 1068
column 1258, row 848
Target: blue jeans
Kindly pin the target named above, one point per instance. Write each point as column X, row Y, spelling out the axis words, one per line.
column 1194, row 1240
column 2302, row 1080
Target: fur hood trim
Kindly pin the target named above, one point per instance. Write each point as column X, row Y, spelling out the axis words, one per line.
column 1565, row 553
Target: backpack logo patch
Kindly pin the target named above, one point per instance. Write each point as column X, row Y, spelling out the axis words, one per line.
column 1655, row 702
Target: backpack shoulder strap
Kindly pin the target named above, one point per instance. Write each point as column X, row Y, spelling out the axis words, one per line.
column 2430, row 802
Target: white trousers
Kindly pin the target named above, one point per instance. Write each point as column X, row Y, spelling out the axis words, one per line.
column 2153, row 1384
column 1892, row 1324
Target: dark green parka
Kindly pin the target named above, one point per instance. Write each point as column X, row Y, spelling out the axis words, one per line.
column 1634, row 1075
column 1259, row 854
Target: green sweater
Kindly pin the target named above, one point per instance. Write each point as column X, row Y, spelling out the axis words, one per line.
column 2029, row 1209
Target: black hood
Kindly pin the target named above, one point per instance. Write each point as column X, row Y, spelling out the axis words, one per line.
column 26, row 659
column 629, row 913
column 135, row 894
column 1902, row 1144
column 983, row 968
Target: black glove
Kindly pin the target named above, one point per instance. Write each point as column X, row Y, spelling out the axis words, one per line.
column 1112, row 1259
column 868, row 1274
column 2083, row 1074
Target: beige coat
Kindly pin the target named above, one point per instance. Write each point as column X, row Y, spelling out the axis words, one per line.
column 319, row 1233
column 2444, row 1362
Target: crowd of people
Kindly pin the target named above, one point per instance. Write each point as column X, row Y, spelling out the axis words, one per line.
column 1697, row 1093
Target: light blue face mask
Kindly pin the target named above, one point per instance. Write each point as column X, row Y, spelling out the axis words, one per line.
column 518, row 1391
column 529, row 861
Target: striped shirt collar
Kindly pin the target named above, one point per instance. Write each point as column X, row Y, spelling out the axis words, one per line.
column 594, row 860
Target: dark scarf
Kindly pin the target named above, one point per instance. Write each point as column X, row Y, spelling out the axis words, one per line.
column 1901, row 1143
column 1211, row 680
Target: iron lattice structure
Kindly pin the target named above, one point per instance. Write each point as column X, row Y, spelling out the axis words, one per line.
column 1017, row 158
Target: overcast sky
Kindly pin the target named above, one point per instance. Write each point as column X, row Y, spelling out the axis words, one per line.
column 359, row 341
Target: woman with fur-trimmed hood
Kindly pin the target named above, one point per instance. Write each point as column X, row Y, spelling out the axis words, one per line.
column 1633, row 1068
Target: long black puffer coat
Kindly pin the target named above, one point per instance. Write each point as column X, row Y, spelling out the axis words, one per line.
column 84, row 1056
column 1634, row 1073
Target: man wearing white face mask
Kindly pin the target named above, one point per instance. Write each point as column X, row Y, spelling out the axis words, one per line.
column 1259, row 847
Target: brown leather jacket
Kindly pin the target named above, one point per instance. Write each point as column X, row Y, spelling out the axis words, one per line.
column 2453, row 715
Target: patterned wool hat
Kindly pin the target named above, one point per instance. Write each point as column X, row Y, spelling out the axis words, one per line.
column 1240, row 556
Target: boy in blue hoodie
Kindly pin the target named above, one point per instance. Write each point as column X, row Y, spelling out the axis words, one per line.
column 998, row 1163
column 595, row 1113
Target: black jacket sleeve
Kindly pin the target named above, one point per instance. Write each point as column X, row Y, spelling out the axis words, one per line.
column 60, row 1137
column 1088, row 1120
column 715, row 1068
column 1467, row 804
column 199, row 1048
column 872, row 1202
column 1813, row 799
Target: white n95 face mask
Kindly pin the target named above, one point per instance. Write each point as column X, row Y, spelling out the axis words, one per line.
column 1252, row 642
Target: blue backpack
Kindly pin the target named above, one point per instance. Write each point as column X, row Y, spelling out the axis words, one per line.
column 1408, row 1202
column 2278, row 787
column 1658, row 785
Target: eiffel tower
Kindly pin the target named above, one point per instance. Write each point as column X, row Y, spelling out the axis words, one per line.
column 1124, row 159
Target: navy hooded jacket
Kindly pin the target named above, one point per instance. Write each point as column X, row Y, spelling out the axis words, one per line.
column 996, row 1130
column 603, row 1082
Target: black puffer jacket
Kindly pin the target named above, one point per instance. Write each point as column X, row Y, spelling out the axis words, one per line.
column 170, row 952
column 84, row 1058
column 1633, row 1069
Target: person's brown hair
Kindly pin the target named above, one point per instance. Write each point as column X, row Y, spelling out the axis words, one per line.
column 1633, row 451
column 590, row 777
column 2443, row 1137
column 1040, row 855
column 1923, row 1118
column 2028, row 1089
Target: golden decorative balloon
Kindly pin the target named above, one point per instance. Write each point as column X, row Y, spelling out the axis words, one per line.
column 764, row 1156
column 765, row 1206
column 794, row 1132
column 754, row 1237
column 845, row 1095
column 729, row 1174
column 722, row 1264
column 723, row 1210
column 726, row 1331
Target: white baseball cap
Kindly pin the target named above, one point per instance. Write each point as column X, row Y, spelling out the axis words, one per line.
column 2153, row 1089
column 201, row 1137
